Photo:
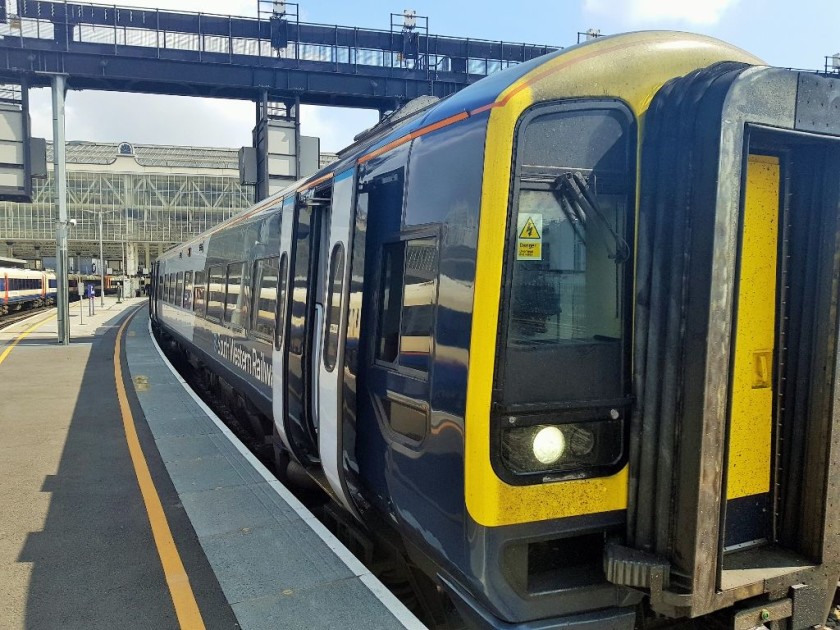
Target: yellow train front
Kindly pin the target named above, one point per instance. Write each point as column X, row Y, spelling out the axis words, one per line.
column 571, row 332
column 651, row 371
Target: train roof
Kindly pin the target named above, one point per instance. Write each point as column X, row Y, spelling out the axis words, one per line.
column 12, row 262
column 483, row 95
column 18, row 272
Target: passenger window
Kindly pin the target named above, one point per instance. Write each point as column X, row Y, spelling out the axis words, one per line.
column 408, row 295
column 216, row 293
column 418, row 307
column 336, row 283
column 199, row 303
column 179, row 289
column 171, row 286
column 390, row 299
column 233, row 305
column 281, row 302
column 265, row 297
column 188, row 289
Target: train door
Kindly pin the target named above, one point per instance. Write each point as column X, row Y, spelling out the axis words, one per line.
column 337, row 246
column 278, row 360
column 749, row 505
column 395, row 345
column 305, row 306
column 153, row 291
column 774, row 383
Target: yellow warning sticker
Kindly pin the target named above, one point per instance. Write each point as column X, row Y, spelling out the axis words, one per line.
column 530, row 230
column 529, row 236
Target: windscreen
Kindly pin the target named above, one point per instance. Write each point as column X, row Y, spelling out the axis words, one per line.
column 566, row 312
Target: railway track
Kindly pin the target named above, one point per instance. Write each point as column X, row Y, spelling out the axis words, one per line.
column 13, row 318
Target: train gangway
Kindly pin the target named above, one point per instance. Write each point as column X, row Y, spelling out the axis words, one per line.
column 127, row 504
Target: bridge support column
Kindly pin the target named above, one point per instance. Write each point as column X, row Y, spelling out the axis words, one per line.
column 283, row 154
column 60, row 173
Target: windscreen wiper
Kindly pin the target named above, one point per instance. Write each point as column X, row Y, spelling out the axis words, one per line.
column 577, row 202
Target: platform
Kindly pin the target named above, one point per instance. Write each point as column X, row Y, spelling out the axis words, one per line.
column 205, row 537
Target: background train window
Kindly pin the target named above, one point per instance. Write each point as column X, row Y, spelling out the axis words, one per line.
column 179, row 289
column 336, row 283
column 408, row 294
column 199, row 289
column 281, row 302
column 215, row 293
column 188, row 289
column 265, row 297
column 233, row 299
column 567, row 308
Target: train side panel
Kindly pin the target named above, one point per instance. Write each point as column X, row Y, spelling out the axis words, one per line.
column 203, row 296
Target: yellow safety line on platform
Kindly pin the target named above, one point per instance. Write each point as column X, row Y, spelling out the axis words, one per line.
column 186, row 608
column 23, row 336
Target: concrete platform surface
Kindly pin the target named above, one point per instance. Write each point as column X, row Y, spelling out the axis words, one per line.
column 77, row 546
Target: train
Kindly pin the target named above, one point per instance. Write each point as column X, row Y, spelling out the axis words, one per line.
column 25, row 288
column 568, row 335
column 111, row 284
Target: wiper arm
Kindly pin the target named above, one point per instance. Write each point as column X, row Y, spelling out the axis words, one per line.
column 576, row 200
column 574, row 216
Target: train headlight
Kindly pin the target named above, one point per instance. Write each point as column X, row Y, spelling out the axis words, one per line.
column 549, row 445
column 568, row 449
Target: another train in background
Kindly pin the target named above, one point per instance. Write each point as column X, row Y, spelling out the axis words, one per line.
column 25, row 288
column 111, row 285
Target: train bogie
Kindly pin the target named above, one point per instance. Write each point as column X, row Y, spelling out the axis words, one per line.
column 546, row 344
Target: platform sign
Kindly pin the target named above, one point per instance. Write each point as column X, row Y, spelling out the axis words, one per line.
column 529, row 236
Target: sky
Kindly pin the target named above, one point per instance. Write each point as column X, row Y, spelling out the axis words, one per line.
column 786, row 33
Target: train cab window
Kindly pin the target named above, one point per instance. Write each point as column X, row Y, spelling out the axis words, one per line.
column 199, row 289
column 216, row 293
column 179, row 289
column 335, row 286
column 407, row 298
column 188, row 289
column 280, row 329
column 234, row 306
column 567, row 312
column 265, row 297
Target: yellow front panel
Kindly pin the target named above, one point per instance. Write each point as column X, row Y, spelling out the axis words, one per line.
column 632, row 68
column 751, row 421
